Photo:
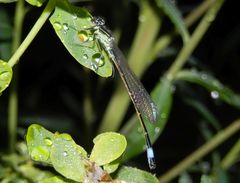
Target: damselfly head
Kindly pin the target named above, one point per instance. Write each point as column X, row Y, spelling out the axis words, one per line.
column 98, row 21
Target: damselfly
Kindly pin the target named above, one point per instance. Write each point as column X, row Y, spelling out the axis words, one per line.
column 139, row 96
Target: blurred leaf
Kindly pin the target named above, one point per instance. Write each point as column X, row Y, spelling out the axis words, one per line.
column 67, row 158
column 204, row 111
column 211, row 84
column 37, row 3
column 56, row 179
column 130, row 174
column 39, row 142
column 175, row 16
column 70, row 23
column 5, row 25
column 108, row 147
column 220, row 175
column 5, row 75
column 206, row 179
column 185, row 178
column 34, row 174
column 7, row 1
column 162, row 96
column 5, row 50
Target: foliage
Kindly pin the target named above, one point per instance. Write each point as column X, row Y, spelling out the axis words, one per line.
column 188, row 83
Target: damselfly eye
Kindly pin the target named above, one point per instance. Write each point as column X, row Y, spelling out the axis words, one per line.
column 98, row 21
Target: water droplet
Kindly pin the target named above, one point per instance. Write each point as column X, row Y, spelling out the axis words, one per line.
column 65, row 153
column 139, row 130
column 97, row 58
column 65, row 27
column 85, row 56
column 214, row 94
column 83, row 36
column 91, row 38
column 74, row 16
column 142, row 18
column 157, row 130
column 204, row 76
column 66, row 136
column 57, row 26
column 48, row 141
column 163, row 115
column 5, row 76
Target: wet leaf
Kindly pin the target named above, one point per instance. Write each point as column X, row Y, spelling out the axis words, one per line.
column 175, row 16
column 129, row 174
column 72, row 24
column 5, row 75
column 39, row 142
column 205, row 179
column 216, row 89
column 162, row 96
column 37, row 3
column 108, row 147
column 68, row 158
column 56, row 179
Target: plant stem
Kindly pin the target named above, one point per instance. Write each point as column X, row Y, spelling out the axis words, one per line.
column 38, row 25
column 147, row 31
column 232, row 156
column 221, row 137
column 195, row 39
column 13, row 96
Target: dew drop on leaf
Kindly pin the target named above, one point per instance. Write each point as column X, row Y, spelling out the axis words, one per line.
column 214, row 94
column 83, row 36
column 57, row 26
column 65, row 27
column 85, row 56
column 48, row 141
column 65, row 153
column 97, row 58
column 157, row 130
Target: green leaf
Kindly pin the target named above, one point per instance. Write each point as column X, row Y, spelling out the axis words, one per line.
column 205, row 179
column 37, row 3
column 5, row 75
column 175, row 16
column 7, row 1
column 112, row 167
column 68, row 158
column 207, row 81
column 162, row 96
column 130, row 174
column 108, row 147
column 72, row 25
column 5, row 25
column 39, row 143
column 56, row 179
column 32, row 173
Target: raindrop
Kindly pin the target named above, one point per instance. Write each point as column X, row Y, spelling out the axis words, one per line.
column 139, row 130
column 214, row 94
column 4, row 76
column 83, row 36
column 163, row 115
column 142, row 18
column 85, row 56
column 74, row 16
column 65, row 153
column 48, row 141
column 204, row 76
column 97, row 58
column 65, row 27
column 57, row 26
column 157, row 130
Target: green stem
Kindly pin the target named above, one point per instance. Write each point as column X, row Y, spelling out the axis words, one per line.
column 13, row 96
column 221, row 137
column 38, row 25
column 146, row 33
column 232, row 156
column 195, row 39
column 166, row 39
